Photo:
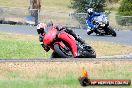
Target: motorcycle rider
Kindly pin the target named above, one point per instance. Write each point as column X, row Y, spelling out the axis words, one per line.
column 41, row 31
column 92, row 14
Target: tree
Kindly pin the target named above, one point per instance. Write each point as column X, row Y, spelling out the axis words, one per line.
column 125, row 13
column 83, row 5
column 125, row 8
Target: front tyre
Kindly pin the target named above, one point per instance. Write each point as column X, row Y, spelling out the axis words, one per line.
column 55, row 55
column 112, row 32
column 63, row 53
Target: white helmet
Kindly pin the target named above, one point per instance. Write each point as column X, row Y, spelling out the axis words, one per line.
column 41, row 26
column 90, row 11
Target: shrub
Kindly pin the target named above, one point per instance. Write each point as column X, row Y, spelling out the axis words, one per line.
column 126, row 8
column 83, row 5
column 125, row 13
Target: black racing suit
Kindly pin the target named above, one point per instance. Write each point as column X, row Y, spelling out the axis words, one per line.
column 69, row 31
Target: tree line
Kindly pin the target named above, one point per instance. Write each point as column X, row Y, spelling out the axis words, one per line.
column 125, row 8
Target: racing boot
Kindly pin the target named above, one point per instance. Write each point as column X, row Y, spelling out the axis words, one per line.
column 90, row 32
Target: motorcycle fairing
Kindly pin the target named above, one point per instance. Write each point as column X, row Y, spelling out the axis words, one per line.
column 50, row 36
column 70, row 40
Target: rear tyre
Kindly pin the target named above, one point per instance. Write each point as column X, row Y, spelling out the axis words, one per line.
column 60, row 52
column 90, row 52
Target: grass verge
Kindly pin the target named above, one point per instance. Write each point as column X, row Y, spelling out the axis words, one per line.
column 18, row 46
column 60, row 74
column 27, row 46
column 110, row 49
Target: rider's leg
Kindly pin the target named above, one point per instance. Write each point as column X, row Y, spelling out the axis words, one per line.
column 75, row 36
column 89, row 30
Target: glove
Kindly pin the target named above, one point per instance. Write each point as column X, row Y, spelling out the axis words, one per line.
column 46, row 48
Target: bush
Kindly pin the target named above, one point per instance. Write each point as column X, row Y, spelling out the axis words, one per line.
column 126, row 8
column 83, row 5
column 125, row 13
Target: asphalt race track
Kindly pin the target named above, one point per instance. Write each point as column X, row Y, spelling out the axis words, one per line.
column 123, row 37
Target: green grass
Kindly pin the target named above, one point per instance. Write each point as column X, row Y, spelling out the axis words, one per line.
column 14, row 46
column 44, row 83
column 21, row 49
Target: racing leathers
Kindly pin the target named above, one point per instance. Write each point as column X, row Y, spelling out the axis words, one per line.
column 90, row 22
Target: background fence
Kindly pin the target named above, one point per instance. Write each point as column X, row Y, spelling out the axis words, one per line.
column 69, row 19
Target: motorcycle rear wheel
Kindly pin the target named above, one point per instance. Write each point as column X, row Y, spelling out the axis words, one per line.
column 91, row 52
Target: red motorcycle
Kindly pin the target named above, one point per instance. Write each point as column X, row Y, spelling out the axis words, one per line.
column 65, row 45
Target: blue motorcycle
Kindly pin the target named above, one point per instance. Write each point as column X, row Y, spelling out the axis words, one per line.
column 102, row 26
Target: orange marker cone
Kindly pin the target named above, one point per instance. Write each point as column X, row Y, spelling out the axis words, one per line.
column 84, row 73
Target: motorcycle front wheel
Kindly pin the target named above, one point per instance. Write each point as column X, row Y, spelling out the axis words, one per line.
column 55, row 55
column 112, row 32
column 63, row 52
